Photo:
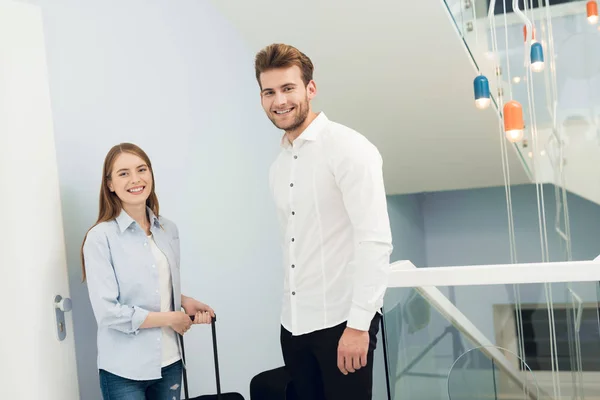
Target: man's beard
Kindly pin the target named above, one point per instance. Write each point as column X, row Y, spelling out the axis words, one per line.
column 301, row 115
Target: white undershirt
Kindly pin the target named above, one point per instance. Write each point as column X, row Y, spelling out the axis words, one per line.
column 170, row 349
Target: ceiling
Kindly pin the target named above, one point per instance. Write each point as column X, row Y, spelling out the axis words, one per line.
column 402, row 78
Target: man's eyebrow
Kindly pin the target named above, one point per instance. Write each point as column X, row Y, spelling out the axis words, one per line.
column 282, row 86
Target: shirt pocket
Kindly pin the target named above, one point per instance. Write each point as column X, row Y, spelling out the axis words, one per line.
column 132, row 267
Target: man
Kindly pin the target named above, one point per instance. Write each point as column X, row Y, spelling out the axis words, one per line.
column 328, row 189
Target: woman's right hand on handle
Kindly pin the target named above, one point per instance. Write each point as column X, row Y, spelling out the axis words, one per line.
column 180, row 322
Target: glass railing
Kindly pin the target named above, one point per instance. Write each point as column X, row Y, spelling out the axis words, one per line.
column 474, row 375
column 483, row 336
column 563, row 99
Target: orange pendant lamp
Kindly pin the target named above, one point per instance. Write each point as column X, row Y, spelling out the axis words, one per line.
column 514, row 125
column 592, row 11
column 525, row 33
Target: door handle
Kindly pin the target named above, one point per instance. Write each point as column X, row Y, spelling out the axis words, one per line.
column 61, row 306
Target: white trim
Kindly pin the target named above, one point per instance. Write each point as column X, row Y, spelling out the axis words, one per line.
column 405, row 274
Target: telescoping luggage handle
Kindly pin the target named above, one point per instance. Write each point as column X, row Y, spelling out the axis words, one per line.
column 216, row 356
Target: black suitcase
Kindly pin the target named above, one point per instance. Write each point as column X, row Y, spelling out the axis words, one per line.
column 219, row 395
column 274, row 384
column 277, row 384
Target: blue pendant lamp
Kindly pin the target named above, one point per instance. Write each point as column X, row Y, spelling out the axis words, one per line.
column 481, row 87
column 537, row 57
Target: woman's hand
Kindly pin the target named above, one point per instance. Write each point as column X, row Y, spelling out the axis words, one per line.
column 203, row 317
column 180, row 322
column 203, row 314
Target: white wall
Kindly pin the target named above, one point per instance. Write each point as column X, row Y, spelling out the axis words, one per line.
column 174, row 78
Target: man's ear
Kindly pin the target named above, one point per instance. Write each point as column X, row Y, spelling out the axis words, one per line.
column 311, row 89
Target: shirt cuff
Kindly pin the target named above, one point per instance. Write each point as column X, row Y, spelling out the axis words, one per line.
column 138, row 318
column 360, row 319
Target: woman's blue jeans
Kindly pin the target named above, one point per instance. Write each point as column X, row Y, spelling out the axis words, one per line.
column 167, row 388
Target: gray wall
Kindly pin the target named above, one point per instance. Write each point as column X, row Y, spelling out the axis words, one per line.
column 408, row 229
column 469, row 227
column 176, row 79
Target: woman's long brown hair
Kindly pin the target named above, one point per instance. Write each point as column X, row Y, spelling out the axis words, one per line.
column 110, row 204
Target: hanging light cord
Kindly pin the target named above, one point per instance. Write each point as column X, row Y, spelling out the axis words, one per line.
column 534, row 137
column 558, row 167
column 560, row 205
column 551, row 98
column 506, row 168
column 502, row 138
column 475, row 22
column 540, row 199
column 503, row 149
column 539, row 192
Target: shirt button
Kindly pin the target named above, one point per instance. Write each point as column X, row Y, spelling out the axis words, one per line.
column 145, row 243
column 293, row 239
column 295, row 157
column 153, row 266
column 293, row 266
column 157, row 291
column 293, row 293
column 291, row 185
column 293, row 212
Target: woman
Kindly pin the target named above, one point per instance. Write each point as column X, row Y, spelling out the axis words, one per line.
column 131, row 261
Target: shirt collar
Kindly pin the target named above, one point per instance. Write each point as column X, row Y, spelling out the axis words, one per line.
column 124, row 221
column 310, row 134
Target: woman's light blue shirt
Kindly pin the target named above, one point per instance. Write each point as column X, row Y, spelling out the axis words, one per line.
column 123, row 286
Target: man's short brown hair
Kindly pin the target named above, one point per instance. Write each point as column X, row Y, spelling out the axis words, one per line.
column 279, row 55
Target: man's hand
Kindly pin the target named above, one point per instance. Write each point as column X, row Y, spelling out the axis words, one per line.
column 352, row 350
column 202, row 312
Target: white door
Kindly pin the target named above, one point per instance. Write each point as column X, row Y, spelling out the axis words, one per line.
column 36, row 362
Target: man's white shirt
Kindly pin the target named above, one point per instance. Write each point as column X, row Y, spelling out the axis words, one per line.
column 331, row 205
